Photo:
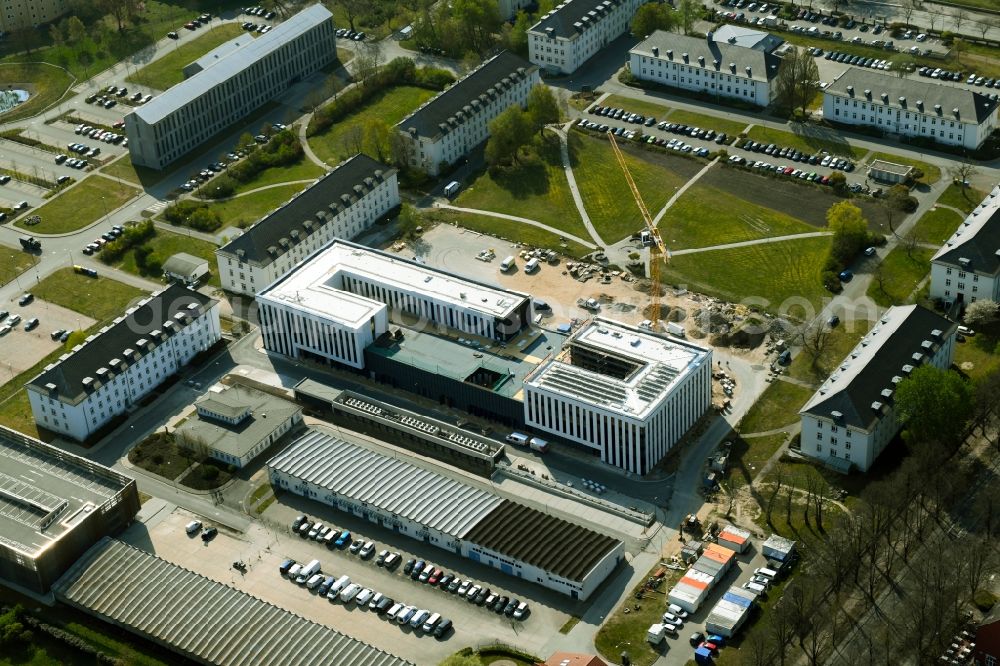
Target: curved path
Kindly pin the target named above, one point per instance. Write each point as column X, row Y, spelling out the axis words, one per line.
column 574, row 190
column 681, row 190
column 514, row 218
column 759, row 241
column 257, row 189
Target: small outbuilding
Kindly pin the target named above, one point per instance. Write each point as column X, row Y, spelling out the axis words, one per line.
column 778, row 548
column 735, row 538
column 186, row 269
column 889, row 172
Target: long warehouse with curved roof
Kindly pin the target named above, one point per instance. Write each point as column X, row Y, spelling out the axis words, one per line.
column 200, row 618
column 449, row 513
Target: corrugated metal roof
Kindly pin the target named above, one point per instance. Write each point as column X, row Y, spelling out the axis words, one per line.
column 200, row 618
column 734, row 534
column 392, row 485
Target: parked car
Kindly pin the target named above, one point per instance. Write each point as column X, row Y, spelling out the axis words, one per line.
column 209, row 533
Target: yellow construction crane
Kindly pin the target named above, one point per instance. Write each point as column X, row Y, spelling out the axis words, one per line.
column 658, row 250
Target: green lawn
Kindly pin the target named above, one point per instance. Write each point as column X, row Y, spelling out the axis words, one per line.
column 978, row 355
column 99, row 298
column 80, row 205
column 932, row 174
column 778, row 275
column 901, row 273
column 13, row 263
column 839, row 342
column 626, row 632
column 658, row 110
column 777, row 407
column 537, row 189
column 730, row 127
column 137, row 175
column 304, row 170
column 15, row 410
column 507, row 230
column 962, row 198
column 813, row 143
column 705, row 216
column 247, row 209
column 391, row 106
column 748, row 456
column 937, row 225
column 605, row 192
column 46, row 83
column 168, row 70
column 167, row 243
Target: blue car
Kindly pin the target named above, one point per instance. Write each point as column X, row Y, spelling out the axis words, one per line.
column 845, row 276
column 343, row 539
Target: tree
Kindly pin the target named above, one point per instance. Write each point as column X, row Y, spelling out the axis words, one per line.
column 354, row 139
column 933, row 16
column 377, row 134
column 982, row 313
column 689, row 11
column 401, row 149
column 906, row 8
column 935, row 404
column 796, row 81
column 814, row 339
column 58, row 38
column 543, row 109
column 508, row 133
column 902, row 64
column 121, row 10
column 897, row 201
column 959, row 16
column 960, row 173
column 984, row 27
column 75, row 30
column 477, row 21
column 652, row 17
column 517, row 37
column 850, row 230
column 366, row 62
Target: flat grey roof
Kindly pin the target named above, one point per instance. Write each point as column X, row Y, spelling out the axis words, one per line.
column 183, row 263
column 232, row 64
column 200, row 618
column 396, row 486
column 44, row 491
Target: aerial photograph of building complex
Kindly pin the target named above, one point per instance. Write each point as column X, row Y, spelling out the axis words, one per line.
column 500, row 332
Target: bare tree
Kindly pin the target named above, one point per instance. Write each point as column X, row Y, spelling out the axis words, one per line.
column 961, row 173
column 774, row 494
column 789, row 496
column 907, row 7
column 933, row 16
column 354, row 139
column 984, row 27
column 814, row 340
column 911, row 241
column 878, row 275
column 959, row 16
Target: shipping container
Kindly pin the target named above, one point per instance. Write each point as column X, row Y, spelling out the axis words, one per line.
column 731, row 611
column 735, row 538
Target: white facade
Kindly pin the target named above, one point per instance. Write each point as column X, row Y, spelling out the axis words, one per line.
column 633, row 416
column 118, row 366
column 239, row 82
column 967, row 267
column 705, row 66
column 455, row 121
column 342, row 204
column 910, row 108
column 852, row 417
column 576, row 30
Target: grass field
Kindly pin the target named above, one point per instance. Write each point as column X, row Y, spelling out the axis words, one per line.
column 304, row 170
column 247, row 209
column 168, row 70
column 45, row 83
column 81, row 205
column 937, row 225
column 978, row 355
column 605, row 192
column 780, row 276
column 99, row 298
column 962, row 198
column 507, row 230
column 778, row 406
column 13, row 263
column 390, row 106
column 704, row 216
column 901, row 276
column 829, row 141
column 627, row 631
column 932, row 174
column 536, row 189
column 137, row 175
column 748, row 456
column 167, row 243
column 839, row 342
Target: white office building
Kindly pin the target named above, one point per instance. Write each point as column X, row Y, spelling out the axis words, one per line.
column 429, row 506
column 112, row 370
column 851, row 418
column 246, row 73
column 341, row 204
column 625, row 392
column 455, row 121
column 331, row 307
column 576, row 30
column 720, row 69
column 910, row 107
column 967, row 267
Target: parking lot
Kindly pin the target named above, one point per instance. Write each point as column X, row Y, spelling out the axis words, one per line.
column 20, row 349
column 263, row 548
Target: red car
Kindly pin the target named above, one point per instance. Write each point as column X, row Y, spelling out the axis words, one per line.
column 434, row 577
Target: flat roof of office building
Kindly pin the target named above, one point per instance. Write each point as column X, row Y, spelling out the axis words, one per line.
column 233, row 63
column 200, row 618
column 316, row 285
column 659, row 363
column 66, row 376
column 458, row 356
column 45, row 491
column 275, row 233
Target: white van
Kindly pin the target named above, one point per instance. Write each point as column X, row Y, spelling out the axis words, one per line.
column 451, row 188
column 403, row 616
column 431, row 623
column 394, row 611
column 350, row 592
column 764, row 571
column 336, row 588
column 531, row 266
column 193, row 526
column 308, row 571
column 756, row 588
column 507, row 264
column 518, row 438
column 314, row 582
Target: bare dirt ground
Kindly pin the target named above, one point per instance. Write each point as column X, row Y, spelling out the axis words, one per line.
column 20, row 349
